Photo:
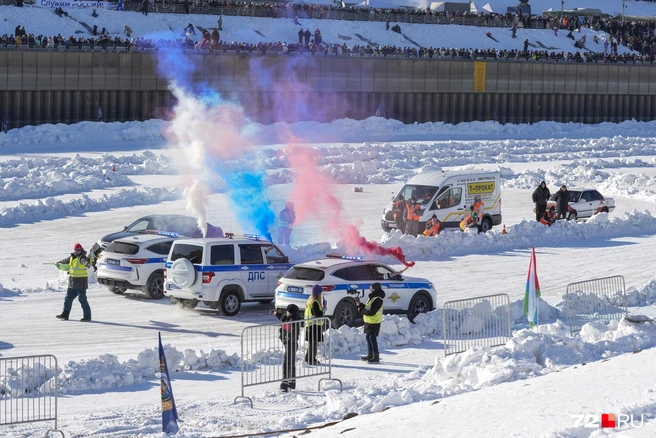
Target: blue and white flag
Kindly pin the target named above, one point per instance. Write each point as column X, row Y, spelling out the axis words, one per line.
column 169, row 412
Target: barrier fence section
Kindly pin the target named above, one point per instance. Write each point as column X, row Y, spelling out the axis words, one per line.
column 286, row 352
column 476, row 322
column 28, row 390
column 601, row 299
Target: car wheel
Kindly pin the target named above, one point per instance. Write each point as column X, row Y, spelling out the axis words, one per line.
column 116, row 290
column 182, row 273
column 155, row 286
column 486, row 225
column 420, row 303
column 572, row 215
column 265, row 301
column 184, row 303
column 345, row 314
column 229, row 303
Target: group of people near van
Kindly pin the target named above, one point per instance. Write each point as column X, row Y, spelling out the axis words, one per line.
column 540, row 197
column 315, row 306
column 407, row 215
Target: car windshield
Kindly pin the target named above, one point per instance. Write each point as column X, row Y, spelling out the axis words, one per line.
column 300, row 273
column 573, row 196
column 422, row 194
column 187, row 226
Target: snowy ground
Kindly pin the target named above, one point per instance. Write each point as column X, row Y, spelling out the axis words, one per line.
column 65, row 184
column 60, row 192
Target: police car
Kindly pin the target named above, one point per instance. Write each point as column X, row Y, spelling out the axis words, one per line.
column 224, row 272
column 343, row 278
column 136, row 262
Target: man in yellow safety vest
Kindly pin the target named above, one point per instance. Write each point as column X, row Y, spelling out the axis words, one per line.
column 372, row 314
column 76, row 265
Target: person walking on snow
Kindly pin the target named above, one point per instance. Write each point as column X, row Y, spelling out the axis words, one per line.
column 286, row 218
column 540, row 196
column 372, row 314
column 76, row 265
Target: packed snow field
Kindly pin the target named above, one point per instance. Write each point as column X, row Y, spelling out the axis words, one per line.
column 60, row 187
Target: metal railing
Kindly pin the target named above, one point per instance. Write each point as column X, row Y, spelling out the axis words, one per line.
column 265, row 358
column 476, row 322
column 601, row 299
column 28, row 390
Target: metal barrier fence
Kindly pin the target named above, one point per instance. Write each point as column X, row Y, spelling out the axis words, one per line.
column 476, row 322
column 28, row 390
column 286, row 352
column 601, row 299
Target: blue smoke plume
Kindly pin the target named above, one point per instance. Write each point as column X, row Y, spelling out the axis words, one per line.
column 248, row 193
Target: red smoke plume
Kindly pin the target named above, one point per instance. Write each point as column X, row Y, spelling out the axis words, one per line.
column 312, row 197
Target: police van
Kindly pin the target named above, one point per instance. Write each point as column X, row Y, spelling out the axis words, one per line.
column 449, row 195
column 223, row 272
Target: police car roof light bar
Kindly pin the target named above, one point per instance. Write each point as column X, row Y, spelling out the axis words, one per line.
column 229, row 235
column 168, row 233
column 252, row 236
column 338, row 256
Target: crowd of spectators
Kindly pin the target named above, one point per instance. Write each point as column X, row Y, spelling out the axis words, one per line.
column 638, row 36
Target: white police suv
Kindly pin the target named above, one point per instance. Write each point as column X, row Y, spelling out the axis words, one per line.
column 223, row 272
column 344, row 278
column 136, row 262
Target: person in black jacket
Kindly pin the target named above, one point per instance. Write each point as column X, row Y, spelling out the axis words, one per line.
column 313, row 327
column 562, row 200
column 540, row 197
column 372, row 313
column 289, row 336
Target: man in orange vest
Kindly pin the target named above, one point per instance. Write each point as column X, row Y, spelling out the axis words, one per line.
column 549, row 216
column 479, row 209
column 412, row 217
column 432, row 227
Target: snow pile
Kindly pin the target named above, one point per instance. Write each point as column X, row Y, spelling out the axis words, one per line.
column 645, row 295
column 51, row 208
column 106, row 372
column 82, row 133
column 530, row 354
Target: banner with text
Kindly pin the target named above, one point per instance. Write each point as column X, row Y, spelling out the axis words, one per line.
column 53, row 4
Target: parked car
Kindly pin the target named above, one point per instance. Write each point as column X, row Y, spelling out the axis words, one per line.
column 584, row 203
column 135, row 262
column 223, row 272
column 186, row 226
column 345, row 278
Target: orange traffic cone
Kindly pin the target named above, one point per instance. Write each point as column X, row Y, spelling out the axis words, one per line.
column 504, row 230
column 114, row 168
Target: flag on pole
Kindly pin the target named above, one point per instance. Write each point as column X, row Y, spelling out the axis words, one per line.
column 532, row 293
column 169, row 412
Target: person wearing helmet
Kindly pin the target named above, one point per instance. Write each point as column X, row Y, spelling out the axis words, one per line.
column 286, row 218
column 76, row 265
column 412, row 217
column 289, row 331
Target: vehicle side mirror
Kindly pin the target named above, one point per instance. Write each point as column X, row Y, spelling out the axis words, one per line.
column 125, row 228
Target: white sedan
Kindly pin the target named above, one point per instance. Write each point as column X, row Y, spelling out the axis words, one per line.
column 584, row 203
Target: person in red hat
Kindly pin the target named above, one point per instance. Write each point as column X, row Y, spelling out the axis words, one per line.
column 76, row 265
